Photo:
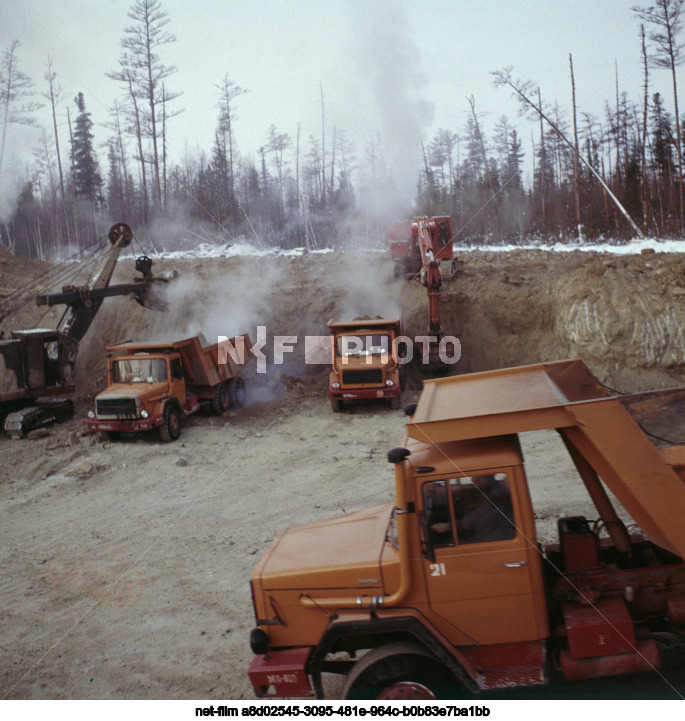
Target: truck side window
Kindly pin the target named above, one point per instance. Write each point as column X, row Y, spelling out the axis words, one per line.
column 438, row 516
column 482, row 508
column 176, row 368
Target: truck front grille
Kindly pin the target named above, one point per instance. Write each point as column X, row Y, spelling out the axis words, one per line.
column 370, row 375
column 116, row 408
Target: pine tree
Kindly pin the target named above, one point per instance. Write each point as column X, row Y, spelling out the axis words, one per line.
column 662, row 139
column 513, row 174
column 87, row 179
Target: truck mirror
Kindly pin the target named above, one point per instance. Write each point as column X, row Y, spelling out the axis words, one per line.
column 397, row 455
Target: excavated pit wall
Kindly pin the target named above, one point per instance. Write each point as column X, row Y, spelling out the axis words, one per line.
column 623, row 315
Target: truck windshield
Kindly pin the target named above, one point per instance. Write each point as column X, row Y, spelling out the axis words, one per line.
column 139, row 370
column 363, row 344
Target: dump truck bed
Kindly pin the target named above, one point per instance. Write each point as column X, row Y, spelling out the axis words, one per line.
column 363, row 323
column 565, row 396
column 204, row 365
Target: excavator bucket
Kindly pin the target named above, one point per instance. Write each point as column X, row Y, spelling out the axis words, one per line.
column 154, row 297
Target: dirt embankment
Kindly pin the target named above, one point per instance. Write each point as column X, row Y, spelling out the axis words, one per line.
column 623, row 315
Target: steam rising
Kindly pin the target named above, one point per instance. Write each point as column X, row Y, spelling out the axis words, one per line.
column 363, row 291
column 399, row 87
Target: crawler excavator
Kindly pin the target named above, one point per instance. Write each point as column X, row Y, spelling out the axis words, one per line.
column 37, row 366
column 417, row 247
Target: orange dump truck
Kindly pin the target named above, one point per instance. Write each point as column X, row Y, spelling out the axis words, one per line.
column 447, row 591
column 154, row 385
column 365, row 363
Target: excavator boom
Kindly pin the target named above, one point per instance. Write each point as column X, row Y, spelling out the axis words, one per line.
column 417, row 247
column 37, row 366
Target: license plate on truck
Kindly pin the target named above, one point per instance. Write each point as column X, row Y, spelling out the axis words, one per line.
column 281, row 673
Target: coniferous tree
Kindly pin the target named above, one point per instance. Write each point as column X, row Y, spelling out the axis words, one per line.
column 87, row 179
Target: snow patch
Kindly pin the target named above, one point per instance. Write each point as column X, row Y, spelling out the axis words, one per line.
column 631, row 247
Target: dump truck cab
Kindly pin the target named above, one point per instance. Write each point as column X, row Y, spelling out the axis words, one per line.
column 448, row 587
column 365, row 361
column 476, row 524
column 140, row 387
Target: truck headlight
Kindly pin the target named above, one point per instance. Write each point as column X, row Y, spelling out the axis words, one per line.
column 388, row 382
column 91, row 414
column 144, row 414
column 335, row 385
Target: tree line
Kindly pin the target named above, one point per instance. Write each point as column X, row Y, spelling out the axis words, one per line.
column 613, row 176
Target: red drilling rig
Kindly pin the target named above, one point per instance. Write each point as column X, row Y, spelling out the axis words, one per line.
column 417, row 247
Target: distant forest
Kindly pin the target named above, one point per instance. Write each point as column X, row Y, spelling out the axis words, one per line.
column 614, row 177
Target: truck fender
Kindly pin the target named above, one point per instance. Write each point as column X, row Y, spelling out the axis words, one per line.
column 380, row 632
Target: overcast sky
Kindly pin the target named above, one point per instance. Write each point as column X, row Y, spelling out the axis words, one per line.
column 401, row 67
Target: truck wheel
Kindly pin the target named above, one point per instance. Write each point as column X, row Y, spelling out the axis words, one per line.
column 236, row 392
column 221, row 401
column 395, row 402
column 170, row 430
column 336, row 405
column 398, row 671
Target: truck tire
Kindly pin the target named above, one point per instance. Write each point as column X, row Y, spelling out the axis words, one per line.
column 236, row 392
column 395, row 402
column 170, row 430
column 398, row 671
column 336, row 405
column 221, row 401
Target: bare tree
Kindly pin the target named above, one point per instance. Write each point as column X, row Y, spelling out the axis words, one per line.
column 276, row 144
column 488, row 174
column 16, row 93
column 143, row 73
column 323, row 150
column 229, row 91
column 643, row 144
column 136, row 124
column 665, row 19
column 521, row 89
column 576, row 154
column 119, row 147
column 54, row 97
